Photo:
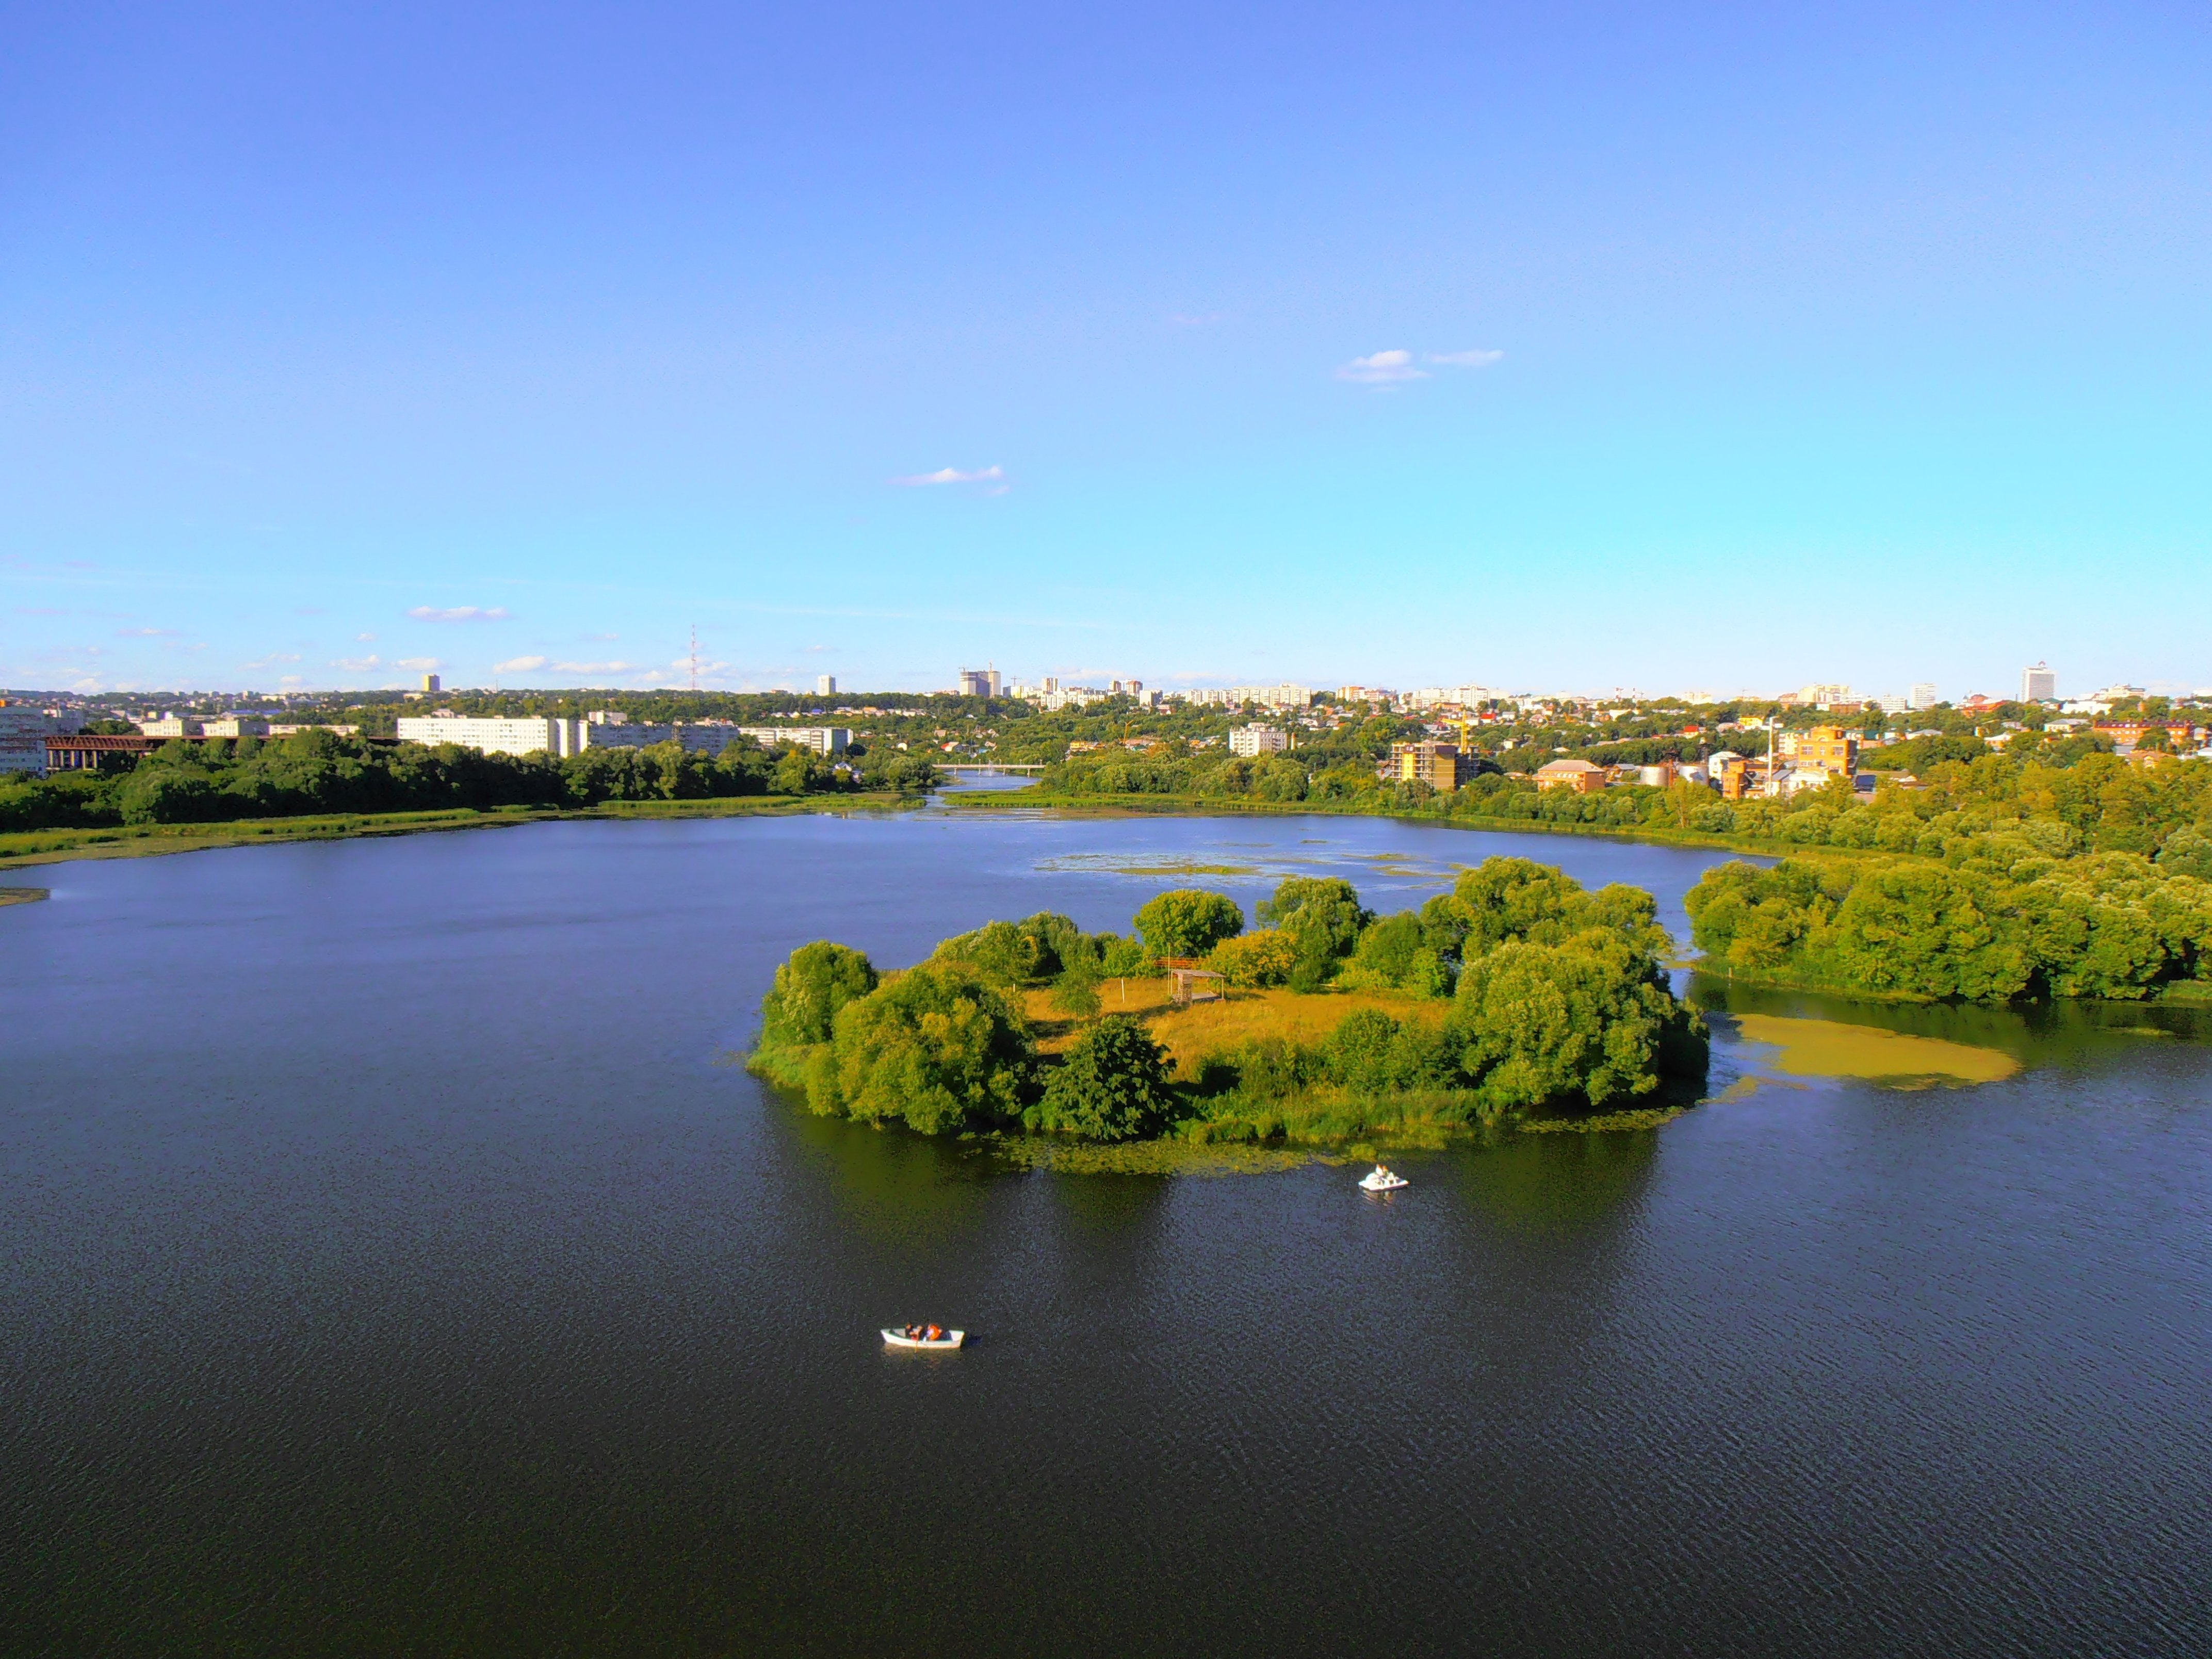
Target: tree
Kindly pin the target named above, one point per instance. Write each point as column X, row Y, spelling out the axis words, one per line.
column 801, row 1006
column 1187, row 921
column 1114, row 1086
column 934, row 1046
column 1255, row 960
column 1588, row 1021
column 1320, row 914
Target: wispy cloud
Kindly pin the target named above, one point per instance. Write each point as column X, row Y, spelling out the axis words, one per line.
column 366, row 639
column 270, row 660
column 357, row 665
column 459, row 613
column 419, row 665
column 532, row 664
column 146, row 633
column 1396, row 367
column 1382, row 369
column 952, row 475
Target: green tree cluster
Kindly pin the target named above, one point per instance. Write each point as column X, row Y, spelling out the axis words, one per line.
column 2113, row 925
column 319, row 772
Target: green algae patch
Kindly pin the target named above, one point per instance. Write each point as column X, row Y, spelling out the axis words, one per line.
column 1827, row 1047
column 1168, row 1155
column 1646, row 1117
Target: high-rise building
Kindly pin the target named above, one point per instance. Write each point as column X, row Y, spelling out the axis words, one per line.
column 825, row 685
column 2038, row 684
column 1921, row 696
column 431, row 686
column 978, row 683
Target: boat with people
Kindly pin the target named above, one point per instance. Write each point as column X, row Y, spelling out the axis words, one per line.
column 922, row 1336
column 1383, row 1179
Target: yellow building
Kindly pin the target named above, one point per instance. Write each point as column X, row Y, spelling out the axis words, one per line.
column 1437, row 764
column 1828, row 748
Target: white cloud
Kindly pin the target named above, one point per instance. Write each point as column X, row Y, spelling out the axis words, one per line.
column 358, row 665
column 949, row 475
column 365, row 639
column 518, row 664
column 1382, row 369
column 419, row 665
column 595, row 667
column 459, row 613
column 270, row 660
column 146, row 633
column 1475, row 359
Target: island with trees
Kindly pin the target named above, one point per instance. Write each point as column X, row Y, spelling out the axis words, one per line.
column 1517, row 997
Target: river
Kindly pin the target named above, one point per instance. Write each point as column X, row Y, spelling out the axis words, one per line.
column 395, row 1262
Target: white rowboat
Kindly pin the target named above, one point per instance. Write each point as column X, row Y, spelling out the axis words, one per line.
column 901, row 1339
column 1380, row 1179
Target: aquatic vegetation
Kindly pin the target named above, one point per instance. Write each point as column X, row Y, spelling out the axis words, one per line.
column 1831, row 1048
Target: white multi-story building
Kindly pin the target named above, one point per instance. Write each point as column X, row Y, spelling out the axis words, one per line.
column 1266, row 697
column 2038, row 684
column 1921, row 696
column 822, row 739
column 1250, row 740
column 493, row 735
column 171, row 726
column 977, row 683
column 236, row 726
column 24, row 729
column 825, row 685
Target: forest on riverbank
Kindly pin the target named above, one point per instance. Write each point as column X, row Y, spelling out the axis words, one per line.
column 318, row 772
column 1518, row 993
column 2061, row 870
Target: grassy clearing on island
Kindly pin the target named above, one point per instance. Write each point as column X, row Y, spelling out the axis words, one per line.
column 1829, row 1048
column 22, row 895
column 1223, row 1021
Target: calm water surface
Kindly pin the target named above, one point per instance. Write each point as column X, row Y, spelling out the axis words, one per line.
column 390, row 1266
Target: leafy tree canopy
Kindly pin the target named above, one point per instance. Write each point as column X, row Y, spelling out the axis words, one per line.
column 1112, row 1086
column 810, row 989
column 1187, row 921
column 934, row 1047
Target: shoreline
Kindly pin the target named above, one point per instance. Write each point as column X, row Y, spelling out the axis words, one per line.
column 26, row 848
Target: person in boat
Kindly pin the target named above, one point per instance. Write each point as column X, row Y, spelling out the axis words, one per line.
column 932, row 1334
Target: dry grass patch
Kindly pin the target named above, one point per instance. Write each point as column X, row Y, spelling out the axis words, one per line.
column 1299, row 1016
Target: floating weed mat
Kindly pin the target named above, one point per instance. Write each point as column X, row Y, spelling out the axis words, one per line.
column 1166, row 1157
column 1826, row 1048
column 1125, row 864
column 1648, row 1117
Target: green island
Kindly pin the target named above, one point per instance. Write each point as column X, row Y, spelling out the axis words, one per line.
column 1518, row 998
column 318, row 785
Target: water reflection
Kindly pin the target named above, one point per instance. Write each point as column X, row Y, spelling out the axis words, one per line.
column 1558, row 1185
column 929, row 1197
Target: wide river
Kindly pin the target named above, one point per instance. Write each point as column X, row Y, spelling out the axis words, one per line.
column 391, row 1260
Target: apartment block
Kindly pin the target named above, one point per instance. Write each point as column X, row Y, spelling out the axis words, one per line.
column 1250, row 740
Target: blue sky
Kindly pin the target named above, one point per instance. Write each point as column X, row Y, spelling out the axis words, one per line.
column 1862, row 343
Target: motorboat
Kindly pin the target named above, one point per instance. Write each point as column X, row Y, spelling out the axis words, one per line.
column 1383, row 1179
column 943, row 1339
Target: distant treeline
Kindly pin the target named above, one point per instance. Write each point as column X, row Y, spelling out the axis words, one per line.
column 317, row 772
